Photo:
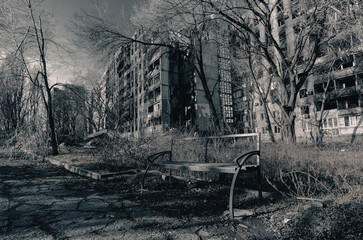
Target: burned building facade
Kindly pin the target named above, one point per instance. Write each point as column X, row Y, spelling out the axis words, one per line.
column 150, row 89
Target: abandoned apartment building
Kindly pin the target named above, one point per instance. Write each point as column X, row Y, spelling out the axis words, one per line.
column 339, row 105
column 149, row 89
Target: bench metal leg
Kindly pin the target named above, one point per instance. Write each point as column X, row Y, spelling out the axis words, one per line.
column 143, row 177
column 231, row 193
column 259, row 180
column 233, row 184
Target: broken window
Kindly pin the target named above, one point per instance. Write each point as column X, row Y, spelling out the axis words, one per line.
column 348, row 102
column 151, row 95
column 303, row 93
column 151, row 109
column 346, row 121
column 330, row 104
column 277, row 129
column 345, row 82
column 281, row 20
column 279, row 7
column 276, row 115
column 343, row 63
column 330, row 123
column 305, row 112
column 262, row 116
column 320, row 87
column 157, row 94
column 348, row 62
column 349, row 121
column 337, row 65
column 330, row 87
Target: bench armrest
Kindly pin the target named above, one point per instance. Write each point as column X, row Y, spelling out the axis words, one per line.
column 240, row 160
column 152, row 158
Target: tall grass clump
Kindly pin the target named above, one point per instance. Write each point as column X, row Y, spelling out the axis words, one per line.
column 308, row 171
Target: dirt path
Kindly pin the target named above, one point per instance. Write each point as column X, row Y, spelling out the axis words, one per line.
column 41, row 201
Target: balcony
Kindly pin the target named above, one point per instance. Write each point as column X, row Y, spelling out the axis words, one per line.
column 344, row 92
column 350, row 111
column 157, row 113
column 158, row 98
column 153, row 73
column 149, row 116
column 151, row 101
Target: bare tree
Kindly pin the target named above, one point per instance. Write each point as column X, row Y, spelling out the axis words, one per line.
column 242, row 64
column 12, row 87
column 93, row 98
column 257, row 21
column 30, row 44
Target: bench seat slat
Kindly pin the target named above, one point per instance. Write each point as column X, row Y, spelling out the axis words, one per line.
column 201, row 167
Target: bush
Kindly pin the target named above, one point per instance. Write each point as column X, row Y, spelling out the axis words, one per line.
column 30, row 144
column 131, row 152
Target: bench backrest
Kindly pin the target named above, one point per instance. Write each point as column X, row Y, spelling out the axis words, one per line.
column 206, row 140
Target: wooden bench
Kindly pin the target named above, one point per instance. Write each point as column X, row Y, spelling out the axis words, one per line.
column 235, row 166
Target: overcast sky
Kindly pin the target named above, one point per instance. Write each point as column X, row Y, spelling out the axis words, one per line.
column 65, row 68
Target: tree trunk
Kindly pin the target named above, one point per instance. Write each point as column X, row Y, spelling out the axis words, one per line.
column 52, row 125
column 319, row 133
column 288, row 129
column 207, row 93
column 268, row 122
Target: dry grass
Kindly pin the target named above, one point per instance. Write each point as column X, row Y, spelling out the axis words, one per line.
column 26, row 145
column 307, row 171
column 294, row 170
